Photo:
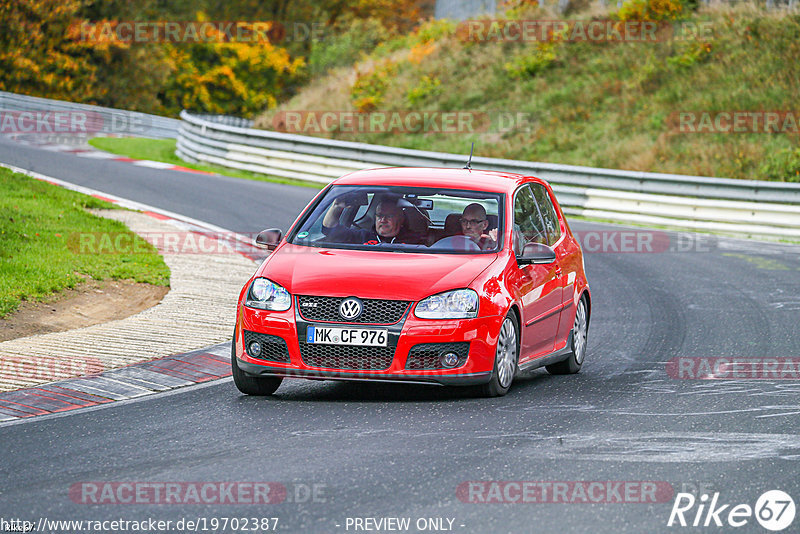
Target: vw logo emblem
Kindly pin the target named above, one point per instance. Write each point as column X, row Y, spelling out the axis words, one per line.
column 351, row 308
column 450, row 359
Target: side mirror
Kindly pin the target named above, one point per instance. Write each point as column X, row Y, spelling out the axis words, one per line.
column 536, row 253
column 269, row 239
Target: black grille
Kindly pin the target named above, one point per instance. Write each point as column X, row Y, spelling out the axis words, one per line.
column 347, row 357
column 376, row 311
column 273, row 348
column 428, row 355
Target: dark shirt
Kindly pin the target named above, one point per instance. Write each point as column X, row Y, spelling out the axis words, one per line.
column 354, row 234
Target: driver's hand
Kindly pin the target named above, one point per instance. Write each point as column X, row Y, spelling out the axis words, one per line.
column 331, row 218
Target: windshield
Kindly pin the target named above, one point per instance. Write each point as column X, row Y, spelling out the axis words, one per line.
column 413, row 219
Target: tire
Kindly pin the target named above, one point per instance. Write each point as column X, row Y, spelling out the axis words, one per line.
column 505, row 359
column 580, row 328
column 251, row 385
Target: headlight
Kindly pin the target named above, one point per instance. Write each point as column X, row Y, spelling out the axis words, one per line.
column 267, row 295
column 456, row 304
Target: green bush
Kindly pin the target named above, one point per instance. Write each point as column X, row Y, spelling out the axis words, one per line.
column 531, row 64
column 345, row 48
column 651, row 10
column 426, row 88
column 693, row 52
column 784, row 166
column 428, row 32
column 369, row 89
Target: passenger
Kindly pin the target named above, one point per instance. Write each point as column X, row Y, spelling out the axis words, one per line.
column 389, row 226
column 473, row 225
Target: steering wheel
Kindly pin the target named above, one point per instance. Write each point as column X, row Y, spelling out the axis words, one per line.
column 457, row 242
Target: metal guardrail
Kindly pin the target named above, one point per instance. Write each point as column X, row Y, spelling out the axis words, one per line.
column 94, row 119
column 741, row 207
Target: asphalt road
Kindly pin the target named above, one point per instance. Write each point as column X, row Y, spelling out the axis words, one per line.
column 377, row 450
column 238, row 205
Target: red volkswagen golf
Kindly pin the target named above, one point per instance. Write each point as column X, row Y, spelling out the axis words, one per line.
column 416, row 275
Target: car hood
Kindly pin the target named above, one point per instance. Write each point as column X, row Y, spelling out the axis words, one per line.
column 370, row 274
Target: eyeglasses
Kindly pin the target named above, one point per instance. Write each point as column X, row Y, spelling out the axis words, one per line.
column 469, row 222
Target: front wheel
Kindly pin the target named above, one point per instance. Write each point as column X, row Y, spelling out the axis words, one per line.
column 505, row 360
column 579, row 332
column 251, row 385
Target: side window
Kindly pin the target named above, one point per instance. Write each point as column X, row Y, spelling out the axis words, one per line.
column 548, row 213
column 528, row 225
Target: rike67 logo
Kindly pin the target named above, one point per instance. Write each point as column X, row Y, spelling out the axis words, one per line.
column 774, row 510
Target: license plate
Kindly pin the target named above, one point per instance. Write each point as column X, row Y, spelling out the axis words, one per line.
column 365, row 337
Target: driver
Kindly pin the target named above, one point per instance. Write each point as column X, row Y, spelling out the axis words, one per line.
column 473, row 225
column 389, row 225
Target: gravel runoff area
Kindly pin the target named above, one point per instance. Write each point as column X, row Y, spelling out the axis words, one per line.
column 198, row 311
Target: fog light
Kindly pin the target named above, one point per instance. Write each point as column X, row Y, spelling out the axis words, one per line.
column 255, row 349
column 449, row 359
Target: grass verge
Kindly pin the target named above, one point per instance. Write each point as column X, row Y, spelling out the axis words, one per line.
column 600, row 104
column 39, row 228
column 163, row 150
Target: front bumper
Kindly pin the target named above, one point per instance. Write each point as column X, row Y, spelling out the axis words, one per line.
column 406, row 378
column 481, row 334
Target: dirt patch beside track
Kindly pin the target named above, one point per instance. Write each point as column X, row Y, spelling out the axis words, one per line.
column 92, row 302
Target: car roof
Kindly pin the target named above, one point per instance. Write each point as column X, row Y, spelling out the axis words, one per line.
column 474, row 180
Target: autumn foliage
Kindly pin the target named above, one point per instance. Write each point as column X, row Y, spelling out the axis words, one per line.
column 44, row 52
column 37, row 57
